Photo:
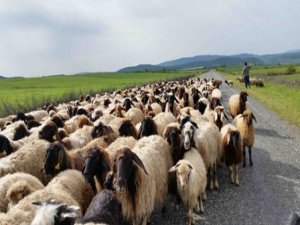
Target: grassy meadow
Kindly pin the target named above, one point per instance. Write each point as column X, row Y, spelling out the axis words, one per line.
column 281, row 92
column 25, row 94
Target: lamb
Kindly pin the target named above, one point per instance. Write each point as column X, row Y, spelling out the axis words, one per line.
column 21, row 160
column 205, row 138
column 191, row 181
column 57, row 159
column 232, row 151
column 104, row 209
column 141, row 178
column 68, row 187
column 8, row 188
column 244, row 124
column 237, row 103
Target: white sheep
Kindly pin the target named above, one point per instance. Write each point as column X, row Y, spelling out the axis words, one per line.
column 205, row 138
column 6, row 183
column 162, row 120
column 147, row 165
column 68, row 187
column 191, row 181
column 216, row 93
column 22, row 160
column 79, row 138
column 136, row 115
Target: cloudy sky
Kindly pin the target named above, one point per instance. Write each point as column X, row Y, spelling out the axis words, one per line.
column 39, row 37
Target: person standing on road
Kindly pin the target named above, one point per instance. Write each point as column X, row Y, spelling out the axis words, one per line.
column 246, row 75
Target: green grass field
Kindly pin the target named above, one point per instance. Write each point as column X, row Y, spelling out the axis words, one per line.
column 24, row 94
column 281, row 92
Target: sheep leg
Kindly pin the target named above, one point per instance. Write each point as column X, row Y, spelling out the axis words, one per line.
column 211, row 184
column 190, row 215
column 201, row 205
column 230, row 168
column 204, row 197
column 236, row 170
column 250, row 157
column 244, row 156
column 215, row 176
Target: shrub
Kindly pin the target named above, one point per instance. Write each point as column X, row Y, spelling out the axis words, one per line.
column 291, row 70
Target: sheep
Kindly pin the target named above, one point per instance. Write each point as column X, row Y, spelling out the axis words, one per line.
column 153, row 107
column 237, row 103
column 229, row 82
column 232, row 151
column 162, row 120
column 98, row 160
column 205, row 138
column 79, row 138
column 172, row 104
column 76, row 122
column 220, row 116
column 100, row 129
column 147, row 127
column 10, row 130
column 68, row 187
column 216, row 93
column 57, row 158
column 141, row 178
column 136, row 115
column 244, row 124
column 5, row 120
column 123, row 127
column 240, row 79
column 172, row 134
column 191, row 181
column 104, row 209
column 38, row 115
column 201, row 105
column 53, row 213
column 21, row 160
column 6, row 188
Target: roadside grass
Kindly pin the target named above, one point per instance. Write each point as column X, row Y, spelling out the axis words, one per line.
column 280, row 94
column 25, row 94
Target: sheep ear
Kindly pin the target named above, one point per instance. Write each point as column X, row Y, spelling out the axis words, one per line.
column 138, row 162
column 173, row 169
column 112, row 111
column 194, row 124
column 253, row 117
column 37, row 203
column 228, row 138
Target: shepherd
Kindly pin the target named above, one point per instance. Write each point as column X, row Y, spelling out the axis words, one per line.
column 246, row 75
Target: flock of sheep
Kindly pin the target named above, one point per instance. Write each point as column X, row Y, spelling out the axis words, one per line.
column 114, row 158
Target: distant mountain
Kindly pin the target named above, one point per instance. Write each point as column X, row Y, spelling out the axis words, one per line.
column 290, row 57
column 2, row 77
column 141, row 67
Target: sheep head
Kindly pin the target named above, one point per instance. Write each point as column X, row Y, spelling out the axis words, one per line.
column 54, row 158
column 5, row 145
column 126, row 164
column 183, row 170
column 49, row 213
column 97, row 163
column 188, row 132
column 48, row 131
column 248, row 116
column 147, row 128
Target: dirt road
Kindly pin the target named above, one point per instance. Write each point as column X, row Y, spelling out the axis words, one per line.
column 269, row 192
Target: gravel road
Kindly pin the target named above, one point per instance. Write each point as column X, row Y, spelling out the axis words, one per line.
column 269, row 192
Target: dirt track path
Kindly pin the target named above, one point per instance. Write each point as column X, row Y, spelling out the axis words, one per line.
column 269, row 192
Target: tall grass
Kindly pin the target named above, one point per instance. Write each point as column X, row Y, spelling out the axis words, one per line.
column 26, row 94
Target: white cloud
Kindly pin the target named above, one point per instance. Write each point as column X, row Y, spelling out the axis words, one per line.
column 40, row 37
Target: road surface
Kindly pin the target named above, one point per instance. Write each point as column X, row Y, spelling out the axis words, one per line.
column 269, row 192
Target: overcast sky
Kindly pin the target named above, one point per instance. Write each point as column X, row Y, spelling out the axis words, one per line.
column 39, row 37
